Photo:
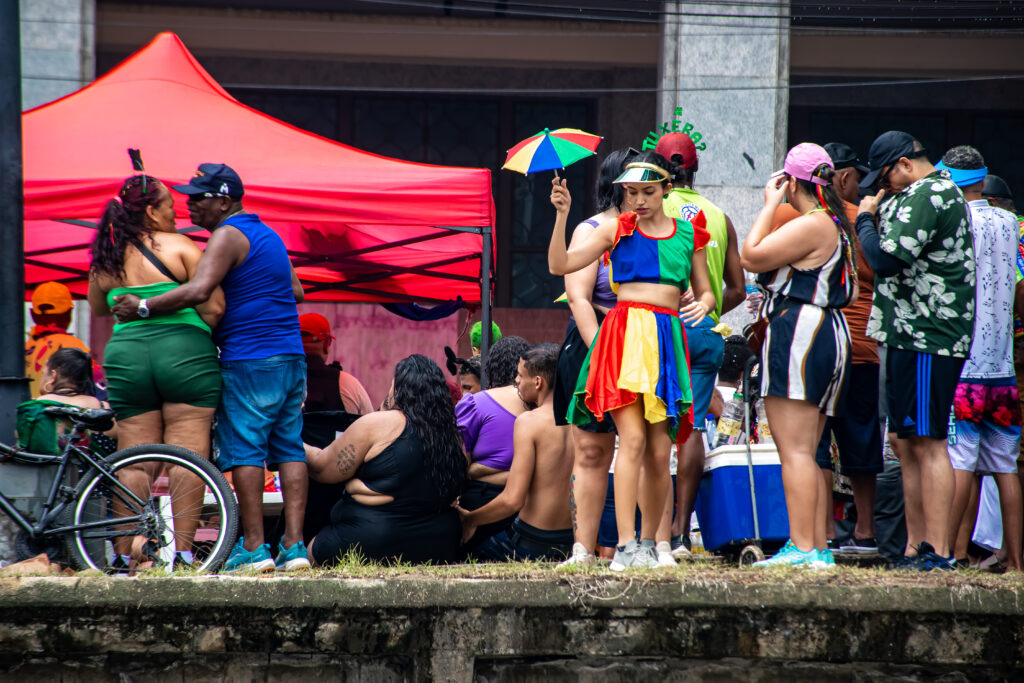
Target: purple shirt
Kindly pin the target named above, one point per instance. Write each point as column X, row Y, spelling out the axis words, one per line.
column 486, row 430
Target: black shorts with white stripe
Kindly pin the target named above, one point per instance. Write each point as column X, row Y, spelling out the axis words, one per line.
column 806, row 354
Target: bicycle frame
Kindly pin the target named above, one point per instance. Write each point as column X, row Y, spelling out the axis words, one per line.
column 52, row 508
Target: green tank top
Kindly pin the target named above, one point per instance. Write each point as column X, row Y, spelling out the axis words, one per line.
column 684, row 203
column 186, row 316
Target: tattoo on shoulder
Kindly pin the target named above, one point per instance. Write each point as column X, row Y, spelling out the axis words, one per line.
column 346, row 459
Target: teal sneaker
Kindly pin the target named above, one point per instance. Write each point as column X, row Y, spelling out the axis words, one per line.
column 789, row 555
column 293, row 559
column 824, row 560
column 243, row 561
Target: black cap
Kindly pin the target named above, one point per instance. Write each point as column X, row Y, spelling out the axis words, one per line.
column 215, row 179
column 887, row 149
column 996, row 187
column 843, row 156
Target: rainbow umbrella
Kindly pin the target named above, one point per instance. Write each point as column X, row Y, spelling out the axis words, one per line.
column 551, row 149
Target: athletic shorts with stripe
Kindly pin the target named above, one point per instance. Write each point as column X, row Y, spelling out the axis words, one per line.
column 919, row 389
column 806, row 354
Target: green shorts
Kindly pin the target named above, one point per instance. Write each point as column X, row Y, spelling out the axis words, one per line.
column 150, row 365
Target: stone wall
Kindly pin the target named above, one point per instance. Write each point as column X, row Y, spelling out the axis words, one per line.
column 582, row 628
column 57, row 48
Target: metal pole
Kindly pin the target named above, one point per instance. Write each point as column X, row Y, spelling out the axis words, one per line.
column 485, row 304
column 13, row 385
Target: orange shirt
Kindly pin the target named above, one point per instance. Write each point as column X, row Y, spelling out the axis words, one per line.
column 43, row 342
column 865, row 349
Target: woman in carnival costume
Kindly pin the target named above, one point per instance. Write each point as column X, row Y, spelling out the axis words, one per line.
column 808, row 274
column 637, row 368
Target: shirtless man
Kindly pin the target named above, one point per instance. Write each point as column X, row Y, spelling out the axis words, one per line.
column 538, row 482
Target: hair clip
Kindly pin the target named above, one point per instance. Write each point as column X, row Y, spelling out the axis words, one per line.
column 136, row 157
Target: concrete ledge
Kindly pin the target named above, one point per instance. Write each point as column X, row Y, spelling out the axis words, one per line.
column 582, row 627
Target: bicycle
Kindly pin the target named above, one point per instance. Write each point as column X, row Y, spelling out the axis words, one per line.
column 90, row 511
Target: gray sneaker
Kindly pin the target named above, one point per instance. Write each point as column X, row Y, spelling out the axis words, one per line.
column 647, row 556
column 626, row 557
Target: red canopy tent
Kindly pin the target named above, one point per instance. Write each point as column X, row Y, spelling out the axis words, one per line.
column 359, row 227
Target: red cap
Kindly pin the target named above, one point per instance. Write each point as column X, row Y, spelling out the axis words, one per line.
column 316, row 326
column 671, row 144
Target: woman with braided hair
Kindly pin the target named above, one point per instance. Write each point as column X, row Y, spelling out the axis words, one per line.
column 808, row 273
column 162, row 371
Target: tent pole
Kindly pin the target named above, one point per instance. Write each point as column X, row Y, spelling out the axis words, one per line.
column 13, row 385
column 485, row 303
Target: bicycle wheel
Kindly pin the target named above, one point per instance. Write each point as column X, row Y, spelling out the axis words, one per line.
column 130, row 503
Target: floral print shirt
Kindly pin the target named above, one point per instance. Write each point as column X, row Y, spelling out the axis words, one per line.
column 928, row 306
column 995, row 251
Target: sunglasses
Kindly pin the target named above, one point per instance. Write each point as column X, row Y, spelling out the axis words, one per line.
column 884, row 178
column 204, row 195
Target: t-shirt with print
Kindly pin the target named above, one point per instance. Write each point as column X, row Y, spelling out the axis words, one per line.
column 928, row 306
column 995, row 259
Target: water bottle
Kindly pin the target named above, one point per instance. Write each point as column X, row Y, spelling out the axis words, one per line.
column 764, row 432
column 754, row 295
column 710, row 433
column 730, row 425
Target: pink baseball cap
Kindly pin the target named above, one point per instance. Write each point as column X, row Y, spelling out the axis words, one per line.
column 804, row 159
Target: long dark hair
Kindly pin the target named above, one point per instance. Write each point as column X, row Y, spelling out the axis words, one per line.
column 74, row 371
column 421, row 393
column 122, row 224
column 609, row 193
column 503, row 361
column 829, row 200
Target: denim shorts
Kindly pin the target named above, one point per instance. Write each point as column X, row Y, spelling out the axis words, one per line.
column 259, row 419
column 706, row 350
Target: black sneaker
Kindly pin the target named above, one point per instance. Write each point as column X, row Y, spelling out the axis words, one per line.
column 908, row 563
column 680, row 540
column 118, row 566
column 180, row 562
column 931, row 561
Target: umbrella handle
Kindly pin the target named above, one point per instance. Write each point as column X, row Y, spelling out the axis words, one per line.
column 556, row 174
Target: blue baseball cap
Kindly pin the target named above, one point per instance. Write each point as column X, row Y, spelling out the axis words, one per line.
column 213, row 180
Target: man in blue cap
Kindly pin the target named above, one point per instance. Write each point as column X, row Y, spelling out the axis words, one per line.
column 922, row 253
column 263, row 363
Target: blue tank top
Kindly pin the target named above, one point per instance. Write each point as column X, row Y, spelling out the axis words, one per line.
column 261, row 319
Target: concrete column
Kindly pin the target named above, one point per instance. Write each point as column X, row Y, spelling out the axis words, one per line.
column 58, row 48
column 729, row 78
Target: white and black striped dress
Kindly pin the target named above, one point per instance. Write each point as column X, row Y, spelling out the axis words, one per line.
column 806, row 353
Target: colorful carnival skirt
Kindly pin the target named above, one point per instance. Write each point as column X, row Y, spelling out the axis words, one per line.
column 639, row 352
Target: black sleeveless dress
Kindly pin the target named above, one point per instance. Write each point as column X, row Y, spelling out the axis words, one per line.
column 418, row 526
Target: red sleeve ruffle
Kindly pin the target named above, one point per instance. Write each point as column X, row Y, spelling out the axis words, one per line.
column 701, row 236
column 626, row 227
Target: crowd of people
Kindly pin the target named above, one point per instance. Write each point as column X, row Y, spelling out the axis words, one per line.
column 888, row 317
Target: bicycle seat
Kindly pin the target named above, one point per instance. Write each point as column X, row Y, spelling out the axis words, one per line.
column 99, row 419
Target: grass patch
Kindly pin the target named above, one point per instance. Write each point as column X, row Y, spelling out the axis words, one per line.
column 696, row 573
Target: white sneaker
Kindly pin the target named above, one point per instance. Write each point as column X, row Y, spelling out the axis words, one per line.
column 664, row 551
column 580, row 557
column 682, row 553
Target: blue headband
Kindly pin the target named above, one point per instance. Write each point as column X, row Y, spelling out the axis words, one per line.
column 964, row 177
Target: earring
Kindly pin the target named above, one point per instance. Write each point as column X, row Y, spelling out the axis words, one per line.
column 664, row 196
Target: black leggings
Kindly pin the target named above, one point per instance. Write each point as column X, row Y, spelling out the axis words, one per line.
column 392, row 531
column 475, row 495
